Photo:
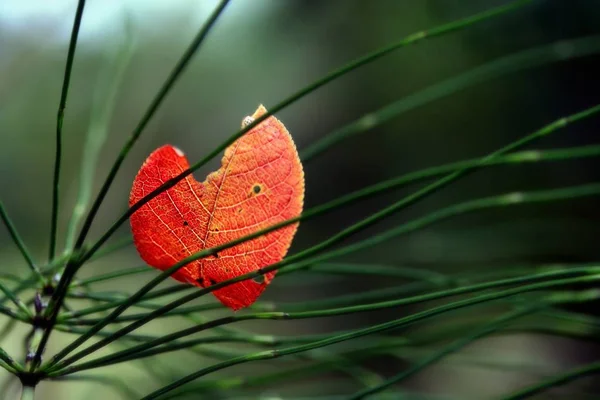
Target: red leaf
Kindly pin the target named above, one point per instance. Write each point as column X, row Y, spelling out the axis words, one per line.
column 260, row 183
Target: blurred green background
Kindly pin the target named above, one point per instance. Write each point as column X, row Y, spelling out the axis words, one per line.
column 262, row 51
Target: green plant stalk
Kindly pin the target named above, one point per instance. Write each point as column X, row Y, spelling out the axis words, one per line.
column 271, row 354
column 109, row 249
column 586, row 370
column 8, row 363
column 156, row 102
column 574, row 318
column 9, row 312
column 102, row 109
column 74, row 263
column 409, row 40
column 498, row 201
column 320, row 366
column 413, row 287
column 367, row 296
column 19, row 243
column 527, row 59
column 105, row 301
column 531, row 156
column 512, row 158
column 550, row 328
column 65, row 280
column 30, row 281
column 358, row 352
column 59, row 124
column 462, row 342
column 148, row 367
column 561, row 123
column 530, row 58
column 321, row 313
column 16, row 301
column 34, row 348
column 111, row 275
column 332, row 205
column 395, row 271
column 28, row 393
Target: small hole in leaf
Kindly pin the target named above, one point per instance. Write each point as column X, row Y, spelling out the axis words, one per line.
column 239, row 210
column 200, row 281
column 216, row 255
column 259, row 279
column 256, row 189
column 185, row 223
column 212, row 281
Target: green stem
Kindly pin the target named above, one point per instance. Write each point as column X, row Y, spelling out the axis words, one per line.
column 19, row 243
column 16, row 301
column 271, row 354
column 165, row 89
column 28, row 393
column 586, row 370
column 111, row 275
column 34, row 349
column 479, row 204
column 409, row 40
column 75, row 262
column 73, row 318
column 314, row 314
column 394, row 183
column 104, row 102
column 112, row 248
column 59, row 125
column 452, row 348
column 527, row 59
column 8, row 363
column 561, row 123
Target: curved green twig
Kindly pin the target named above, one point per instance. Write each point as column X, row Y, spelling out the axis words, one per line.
column 585, row 271
column 577, row 373
column 103, row 106
column 526, row 59
column 8, row 363
column 19, row 243
column 411, row 39
column 75, row 262
column 561, row 123
column 162, row 93
column 270, row 354
column 529, row 58
column 512, row 158
column 59, row 124
column 476, row 334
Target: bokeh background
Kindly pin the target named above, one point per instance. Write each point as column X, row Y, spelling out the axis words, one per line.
column 262, row 51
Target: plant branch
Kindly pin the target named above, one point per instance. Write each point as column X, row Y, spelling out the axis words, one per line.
column 103, row 106
column 476, row 334
column 588, row 274
column 406, row 201
column 458, row 209
column 28, row 392
column 527, row 59
column 409, row 40
column 59, row 124
column 19, row 243
column 271, row 354
column 162, row 93
column 577, row 373
column 75, row 262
